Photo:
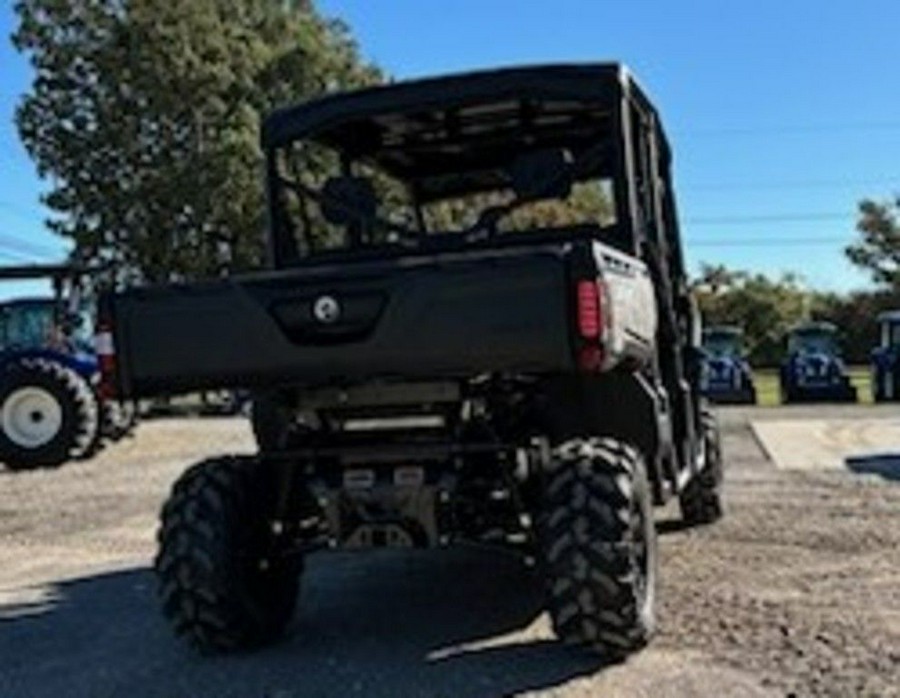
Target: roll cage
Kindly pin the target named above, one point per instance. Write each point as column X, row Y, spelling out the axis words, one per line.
column 448, row 136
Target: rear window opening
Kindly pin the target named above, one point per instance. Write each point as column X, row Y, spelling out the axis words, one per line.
column 403, row 180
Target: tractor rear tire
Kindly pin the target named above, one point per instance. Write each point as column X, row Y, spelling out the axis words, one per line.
column 48, row 415
column 701, row 499
column 221, row 584
column 597, row 540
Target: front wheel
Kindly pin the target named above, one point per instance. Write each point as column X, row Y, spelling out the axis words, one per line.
column 597, row 539
column 222, row 583
column 701, row 499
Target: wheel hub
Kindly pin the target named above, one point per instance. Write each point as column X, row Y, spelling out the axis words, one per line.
column 31, row 417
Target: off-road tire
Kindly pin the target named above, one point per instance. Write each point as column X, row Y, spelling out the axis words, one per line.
column 220, row 584
column 79, row 423
column 597, row 540
column 701, row 499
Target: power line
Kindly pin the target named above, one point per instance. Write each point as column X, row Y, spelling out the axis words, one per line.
column 794, row 184
column 21, row 245
column 16, row 256
column 768, row 242
column 790, row 129
column 16, row 210
column 768, row 218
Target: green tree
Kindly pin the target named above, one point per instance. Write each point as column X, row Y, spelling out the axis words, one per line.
column 144, row 116
column 855, row 315
column 878, row 250
column 764, row 308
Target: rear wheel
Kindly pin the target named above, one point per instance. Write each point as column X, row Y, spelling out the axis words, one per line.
column 701, row 499
column 222, row 586
column 48, row 415
column 597, row 538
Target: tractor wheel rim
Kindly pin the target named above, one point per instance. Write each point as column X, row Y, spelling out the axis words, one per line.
column 31, row 417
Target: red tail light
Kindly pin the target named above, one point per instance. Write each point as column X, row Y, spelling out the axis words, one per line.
column 589, row 319
column 106, row 356
column 591, row 302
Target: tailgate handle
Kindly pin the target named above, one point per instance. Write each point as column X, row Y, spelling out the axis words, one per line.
column 329, row 318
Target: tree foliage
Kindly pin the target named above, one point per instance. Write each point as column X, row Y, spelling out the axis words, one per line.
column 878, row 250
column 855, row 315
column 764, row 308
column 144, row 117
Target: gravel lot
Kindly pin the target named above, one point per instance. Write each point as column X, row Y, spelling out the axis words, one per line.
column 796, row 592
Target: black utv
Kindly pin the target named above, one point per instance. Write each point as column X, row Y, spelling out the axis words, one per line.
column 476, row 327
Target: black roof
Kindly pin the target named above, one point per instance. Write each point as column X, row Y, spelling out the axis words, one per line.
column 600, row 82
column 454, row 134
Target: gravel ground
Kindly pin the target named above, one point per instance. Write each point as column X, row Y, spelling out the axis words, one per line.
column 795, row 592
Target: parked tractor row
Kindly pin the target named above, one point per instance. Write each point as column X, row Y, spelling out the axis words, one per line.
column 813, row 369
column 50, row 408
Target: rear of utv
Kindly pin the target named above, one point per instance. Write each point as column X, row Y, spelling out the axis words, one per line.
column 476, row 328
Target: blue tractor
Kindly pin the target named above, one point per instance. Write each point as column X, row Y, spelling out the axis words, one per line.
column 50, row 410
column 813, row 370
column 886, row 359
column 726, row 376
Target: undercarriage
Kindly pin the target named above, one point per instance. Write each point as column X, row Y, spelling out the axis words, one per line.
column 416, row 465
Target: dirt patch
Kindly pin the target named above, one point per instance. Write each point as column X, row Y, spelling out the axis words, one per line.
column 796, row 591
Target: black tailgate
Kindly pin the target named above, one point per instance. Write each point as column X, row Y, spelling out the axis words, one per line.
column 446, row 315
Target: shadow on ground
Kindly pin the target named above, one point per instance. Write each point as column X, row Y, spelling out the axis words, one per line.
column 387, row 624
column 887, row 465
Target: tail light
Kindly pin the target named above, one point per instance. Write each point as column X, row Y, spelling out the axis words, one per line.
column 591, row 319
column 106, row 356
column 589, row 310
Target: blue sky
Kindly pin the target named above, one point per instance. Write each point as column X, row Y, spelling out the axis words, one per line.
column 782, row 113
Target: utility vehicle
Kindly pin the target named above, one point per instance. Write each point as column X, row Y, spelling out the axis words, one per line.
column 476, row 328
column 813, row 370
column 886, row 358
column 727, row 376
column 50, row 411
